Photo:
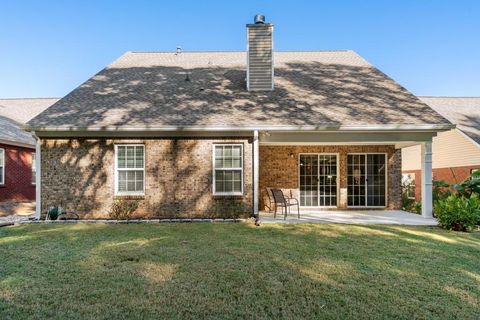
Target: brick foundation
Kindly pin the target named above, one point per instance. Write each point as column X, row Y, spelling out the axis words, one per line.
column 78, row 174
column 279, row 168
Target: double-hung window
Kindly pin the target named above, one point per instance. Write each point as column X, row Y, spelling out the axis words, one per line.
column 2, row 166
column 228, row 169
column 34, row 168
column 130, row 169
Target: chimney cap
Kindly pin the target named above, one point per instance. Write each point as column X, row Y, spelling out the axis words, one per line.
column 259, row 19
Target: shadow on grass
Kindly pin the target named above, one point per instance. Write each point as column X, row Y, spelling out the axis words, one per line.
column 238, row 271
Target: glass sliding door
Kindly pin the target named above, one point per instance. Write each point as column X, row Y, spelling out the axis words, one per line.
column 366, row 180
column 356, row 180
column 318, row 180
column 309, row 180
column 376, row 180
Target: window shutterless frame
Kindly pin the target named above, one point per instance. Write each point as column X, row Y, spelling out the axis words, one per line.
column 129, row 193
column 2, row 164
column 366, row 184
column 214, row 170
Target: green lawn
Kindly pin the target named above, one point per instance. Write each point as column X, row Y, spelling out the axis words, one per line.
column 236, row 270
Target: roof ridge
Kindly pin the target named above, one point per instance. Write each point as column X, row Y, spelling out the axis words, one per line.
column 40, row 98
column 237, row 51
column 453, row 97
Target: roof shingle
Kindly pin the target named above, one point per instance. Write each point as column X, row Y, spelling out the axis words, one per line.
column 149, row 89
column 462, row 111
column 14, row 113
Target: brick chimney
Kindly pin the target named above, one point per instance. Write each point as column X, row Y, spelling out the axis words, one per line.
column 259, row 55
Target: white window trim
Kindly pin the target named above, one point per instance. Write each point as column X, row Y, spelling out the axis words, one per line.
column 3, row 166
column 214, row 169
column 34, row 164
column 130, row 193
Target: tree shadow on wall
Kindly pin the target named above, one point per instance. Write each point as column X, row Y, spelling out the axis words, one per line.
column 75, row 176
column 181, row 184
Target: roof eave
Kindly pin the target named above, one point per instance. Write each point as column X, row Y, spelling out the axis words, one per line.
column 207, row 128
column 17, row 143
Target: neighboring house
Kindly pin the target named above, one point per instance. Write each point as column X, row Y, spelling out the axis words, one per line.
column 456, row 153
column 203, row 134
column 17, row 147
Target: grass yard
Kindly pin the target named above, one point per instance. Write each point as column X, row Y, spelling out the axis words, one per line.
column 235, row 270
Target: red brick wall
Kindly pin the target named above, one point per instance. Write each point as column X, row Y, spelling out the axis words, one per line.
column 79, row 175
column 450, row 175
column 18, row 174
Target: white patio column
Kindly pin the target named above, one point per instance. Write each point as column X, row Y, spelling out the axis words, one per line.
column 255, row 173
column 427, row 199
column 38, row 182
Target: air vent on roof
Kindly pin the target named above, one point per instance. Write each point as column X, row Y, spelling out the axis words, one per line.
column 260, row 55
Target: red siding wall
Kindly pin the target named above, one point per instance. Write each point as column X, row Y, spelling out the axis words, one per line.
column 18, row 174
column 450, row 175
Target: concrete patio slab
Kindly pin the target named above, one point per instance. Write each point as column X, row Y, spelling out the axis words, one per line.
column 396, row 217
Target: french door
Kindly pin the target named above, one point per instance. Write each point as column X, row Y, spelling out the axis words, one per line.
column 366, row 180
column 318, row 180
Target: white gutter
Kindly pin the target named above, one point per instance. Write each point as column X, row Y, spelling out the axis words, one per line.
column 256, row 163
column 17, row 144
column 387, row 127
column 38, row 178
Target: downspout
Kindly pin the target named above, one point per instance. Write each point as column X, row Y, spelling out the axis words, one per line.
column 255, row 173
column 38, row 177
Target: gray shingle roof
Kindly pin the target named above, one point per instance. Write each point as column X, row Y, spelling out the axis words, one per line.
column 14, row 113
column 149, row 89
column 462, row 111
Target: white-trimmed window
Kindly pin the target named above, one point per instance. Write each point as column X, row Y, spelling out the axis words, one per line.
column 228, row 169
column 34, row 168
column 2, row 166
column 129, row 169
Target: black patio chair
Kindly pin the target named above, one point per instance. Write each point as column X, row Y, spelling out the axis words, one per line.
column 271, row 200
column 285, row 203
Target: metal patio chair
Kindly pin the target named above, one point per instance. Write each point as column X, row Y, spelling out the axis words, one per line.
column 285, row 203
column 271, row 200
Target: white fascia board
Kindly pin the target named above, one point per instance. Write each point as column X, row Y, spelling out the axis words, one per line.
column 250, row 129
column 17, row 144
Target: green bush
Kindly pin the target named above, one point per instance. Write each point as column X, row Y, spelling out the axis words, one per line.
column 440, row 190
column 457, row 212
column 469, row 187
column 123, row 209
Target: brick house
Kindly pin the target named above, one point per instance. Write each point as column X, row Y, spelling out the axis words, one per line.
column 17, row 148
column 203, row 134
column 456, row 153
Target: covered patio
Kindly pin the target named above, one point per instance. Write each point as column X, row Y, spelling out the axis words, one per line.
column 392, row 217
column 355, row 173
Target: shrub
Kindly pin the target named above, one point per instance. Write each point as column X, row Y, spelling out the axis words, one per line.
column 123, row 209
column 457, row 212
column 469, row 187
column 440, row 190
